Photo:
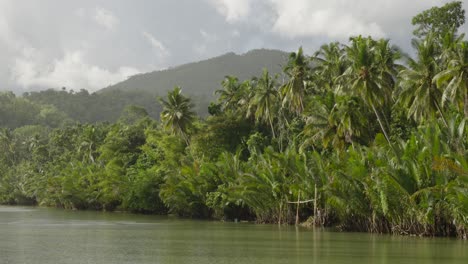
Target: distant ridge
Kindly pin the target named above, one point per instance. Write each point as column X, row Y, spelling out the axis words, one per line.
column 204, row 77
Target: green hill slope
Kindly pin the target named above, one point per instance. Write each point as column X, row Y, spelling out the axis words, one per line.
column 201, row 79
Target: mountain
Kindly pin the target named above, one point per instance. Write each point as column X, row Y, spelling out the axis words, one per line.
column 198, row 80
column 201, row 79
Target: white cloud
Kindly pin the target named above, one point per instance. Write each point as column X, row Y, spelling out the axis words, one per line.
column 161, row 51
column 71, row 71
column 105, row 18
column 303, row 18
column 331, row 19
column 232, row 10
column 335, row 18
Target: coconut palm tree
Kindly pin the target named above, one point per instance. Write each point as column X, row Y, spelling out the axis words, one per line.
column 448, row 45
column 177, row 115
column 294, row 90
column 230, row 95
column 386, row 56
column 318, row 128
column 455, row 78
column 265, row 100
column 329, row 63
column 417, row 92
column 339, row 120
column 365, row 76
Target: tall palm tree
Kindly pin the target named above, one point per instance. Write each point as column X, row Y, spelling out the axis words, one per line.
column 348, row 117
column 455, row 77
column 265, row 99
column 386, row 56
column 294, row 90
column 230, row 95
column 340, row 120
column 448, row 45
column 418, row 92
column 177, row 115
column 365, row 76
column 329, row 63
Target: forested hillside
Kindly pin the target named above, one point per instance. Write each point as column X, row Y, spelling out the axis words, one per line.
column 84, row 107
column 202, row 78
column 358, row 136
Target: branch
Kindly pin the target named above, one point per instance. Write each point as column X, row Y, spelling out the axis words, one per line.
column 301, row 202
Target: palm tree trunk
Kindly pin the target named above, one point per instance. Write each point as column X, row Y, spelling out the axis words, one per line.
column 466, row 101
column 441, row 113
column 387, row 123
column 272, row 128
column 315, row 205
column 297, row 208
column 186, row 139
column 280, row 213
column 380, row 123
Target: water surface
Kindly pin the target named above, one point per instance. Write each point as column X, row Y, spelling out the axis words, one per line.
column 41, row 235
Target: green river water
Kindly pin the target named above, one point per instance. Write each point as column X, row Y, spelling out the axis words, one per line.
column 41, row 235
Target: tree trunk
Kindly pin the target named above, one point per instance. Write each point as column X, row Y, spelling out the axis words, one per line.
column 466, row 102
column 272, row 128
column 380, row 123
column 297, row 208
column 441, row 113
column 280, row 213
column 315, row 205
column 185, row 138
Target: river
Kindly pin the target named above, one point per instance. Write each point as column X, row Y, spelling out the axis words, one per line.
column 43, row 235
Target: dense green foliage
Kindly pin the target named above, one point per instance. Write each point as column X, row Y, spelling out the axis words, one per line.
column 84, row 107
column 19, row 111
column 439, row 20
column 358, row 136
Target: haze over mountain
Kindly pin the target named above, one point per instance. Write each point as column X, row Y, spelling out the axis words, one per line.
column 201, row 79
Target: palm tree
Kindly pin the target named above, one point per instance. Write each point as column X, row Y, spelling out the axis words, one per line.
column 329, row 63
column 366, row 77
column 318, row 128
column 294, row 90
column 418, row 92
column 177, row 115
column 230, row 95
column 386, row 55
column 448, row 45
column 456, row 78
column 340, row 120
column 348, row 117
column 265, row 99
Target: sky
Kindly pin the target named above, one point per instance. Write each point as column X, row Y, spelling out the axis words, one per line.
column 91, row 44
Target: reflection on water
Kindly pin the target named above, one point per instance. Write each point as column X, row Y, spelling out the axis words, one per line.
column 56, row 236
column 11, row 209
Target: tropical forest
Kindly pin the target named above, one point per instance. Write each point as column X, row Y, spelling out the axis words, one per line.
column 358, row 136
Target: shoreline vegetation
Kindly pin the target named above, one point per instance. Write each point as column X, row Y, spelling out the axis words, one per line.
column 357, row 136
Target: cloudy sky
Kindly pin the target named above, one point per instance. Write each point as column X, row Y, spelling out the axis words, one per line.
column 91, row 44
